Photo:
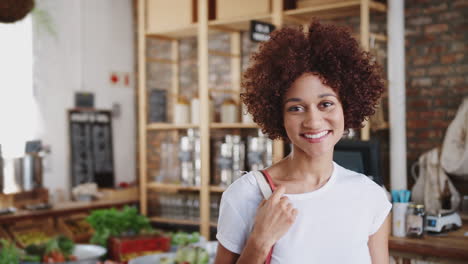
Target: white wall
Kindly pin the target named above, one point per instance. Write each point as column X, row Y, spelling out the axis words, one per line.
column 93, row 39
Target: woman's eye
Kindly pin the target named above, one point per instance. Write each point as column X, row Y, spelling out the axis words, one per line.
column 294, row 108
column 326, row 104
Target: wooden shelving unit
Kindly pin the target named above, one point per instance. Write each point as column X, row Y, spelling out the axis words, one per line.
column 202, row 29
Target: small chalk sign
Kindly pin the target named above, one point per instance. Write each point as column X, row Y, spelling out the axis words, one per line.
column 260, row 31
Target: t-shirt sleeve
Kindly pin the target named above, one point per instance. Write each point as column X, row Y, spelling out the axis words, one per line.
column 232, row 228
column 381, row 209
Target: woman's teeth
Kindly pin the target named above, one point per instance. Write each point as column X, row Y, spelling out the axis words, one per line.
column 319, row 135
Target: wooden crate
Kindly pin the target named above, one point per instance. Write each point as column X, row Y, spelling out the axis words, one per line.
column 32, row 231
column 21, row 199
column 226, row 9
column 75, row 227
column 4, row 234
column 126, row 248
column 130, row 193
column 164, row 15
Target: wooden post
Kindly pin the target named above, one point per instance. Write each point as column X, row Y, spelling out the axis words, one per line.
column 277, row 18
column 142, row 108
column 204, row 117
column 365, row 21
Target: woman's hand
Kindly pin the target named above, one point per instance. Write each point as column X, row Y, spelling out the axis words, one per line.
column 274, row 218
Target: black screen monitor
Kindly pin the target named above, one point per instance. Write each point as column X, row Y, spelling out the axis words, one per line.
column 359, row 156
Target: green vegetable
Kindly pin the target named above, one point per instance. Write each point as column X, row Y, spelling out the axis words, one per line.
column 192, row 255
column 183, row 238
column 9, row 254
column 112, row 222
column 66, row 245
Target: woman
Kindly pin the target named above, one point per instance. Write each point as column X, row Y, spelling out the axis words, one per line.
column 308, row 89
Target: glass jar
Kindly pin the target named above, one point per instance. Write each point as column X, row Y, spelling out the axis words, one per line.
column 415, row 219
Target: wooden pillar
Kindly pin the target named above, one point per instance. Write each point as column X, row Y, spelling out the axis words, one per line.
column 365, row 22
column 204, row 117
column 142, row 108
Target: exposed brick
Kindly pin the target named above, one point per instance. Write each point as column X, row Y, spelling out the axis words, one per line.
column 460, row 3
column 436, row 28
column 462, row 68
column 449, row 16
column 417, row 72
column 451, row 58
column 419, row 103
column 431, row 114
column 435, row 8
column 418, row 21
column 440, row 70
column 424, row 60
column 450, row 81
column 421, row 82
column 417, row 123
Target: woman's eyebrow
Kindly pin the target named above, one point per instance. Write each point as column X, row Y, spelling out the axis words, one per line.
column 293, row 99
column 326, row 94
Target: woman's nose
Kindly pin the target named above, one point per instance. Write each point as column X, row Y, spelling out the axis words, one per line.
column 313, row 119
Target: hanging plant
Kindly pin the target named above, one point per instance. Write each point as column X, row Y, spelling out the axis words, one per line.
column 14, row 10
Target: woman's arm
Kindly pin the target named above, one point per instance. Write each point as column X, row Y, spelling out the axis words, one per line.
column 378, row 244
column 274, row 218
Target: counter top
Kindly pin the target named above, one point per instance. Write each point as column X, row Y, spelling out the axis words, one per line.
column 65, row 208
column 452, row 245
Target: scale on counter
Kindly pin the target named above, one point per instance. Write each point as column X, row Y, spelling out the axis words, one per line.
column 443, row 222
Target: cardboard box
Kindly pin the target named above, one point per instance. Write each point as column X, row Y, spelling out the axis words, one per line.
column 226, row 9
column 130, row 193
column 165, row 15
column 75, row 227
column 128, row 247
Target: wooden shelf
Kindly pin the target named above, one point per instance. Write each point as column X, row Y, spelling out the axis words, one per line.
column 213, row 224
column 217, row 189
column 167, row 126
column 238, row 23
column 189, row 31
column 156, row 219
column 325, row 11
column 166, row 187
column 67, row 208
column 232, row 125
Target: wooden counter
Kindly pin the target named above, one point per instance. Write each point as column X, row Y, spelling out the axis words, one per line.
column 451, row 247
column 65, row 209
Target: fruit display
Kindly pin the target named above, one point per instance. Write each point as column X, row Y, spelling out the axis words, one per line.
column 79, row 226
column 188, row 255
column 26, row 238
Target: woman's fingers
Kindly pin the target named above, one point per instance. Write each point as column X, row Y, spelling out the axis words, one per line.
column 277, row 194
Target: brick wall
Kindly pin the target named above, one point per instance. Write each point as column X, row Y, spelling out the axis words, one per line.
column 436, row 71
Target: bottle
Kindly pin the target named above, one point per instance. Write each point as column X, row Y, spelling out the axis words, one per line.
column 181, row 111
column 415, row 219
column 229, row 111
column 446, row 197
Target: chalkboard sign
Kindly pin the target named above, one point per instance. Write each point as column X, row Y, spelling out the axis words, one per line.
column 260, row 31
column 91, row 147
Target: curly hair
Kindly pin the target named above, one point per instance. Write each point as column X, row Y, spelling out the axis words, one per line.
column 326, row 50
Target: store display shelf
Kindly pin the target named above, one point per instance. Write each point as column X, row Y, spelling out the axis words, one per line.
column 167, row 187
column 188, row 31
column 233, row 125
column 325, row 11
column 163, row 220
column 237, row 23
column 167, row 126
column 218, row 189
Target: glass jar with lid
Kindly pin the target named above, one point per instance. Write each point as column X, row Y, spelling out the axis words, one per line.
column 415, row 219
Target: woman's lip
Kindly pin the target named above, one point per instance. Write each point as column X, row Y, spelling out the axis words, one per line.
column 316, row 140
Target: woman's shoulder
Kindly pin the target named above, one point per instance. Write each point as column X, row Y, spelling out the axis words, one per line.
column 356, row 180
column 246, row 187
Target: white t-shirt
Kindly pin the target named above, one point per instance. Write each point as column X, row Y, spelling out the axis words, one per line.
column 333, row 224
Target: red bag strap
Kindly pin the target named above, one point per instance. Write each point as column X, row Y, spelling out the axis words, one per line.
column 273, row 187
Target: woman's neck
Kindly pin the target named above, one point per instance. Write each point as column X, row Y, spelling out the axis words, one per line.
column 301, row 167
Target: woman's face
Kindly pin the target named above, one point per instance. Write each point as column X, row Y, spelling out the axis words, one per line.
column 313, row 116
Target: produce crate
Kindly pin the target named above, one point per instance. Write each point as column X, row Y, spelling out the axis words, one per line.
column 32, row 231
column 75, row 227
column 112, row 194
column 128, row 247
column 4, row 234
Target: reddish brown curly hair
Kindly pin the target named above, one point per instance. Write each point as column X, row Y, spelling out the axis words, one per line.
column 326, row 50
